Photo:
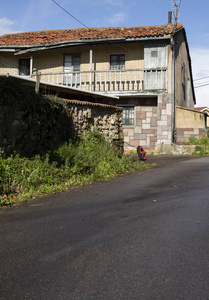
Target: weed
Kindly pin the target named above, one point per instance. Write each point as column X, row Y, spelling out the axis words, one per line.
column 89, row 159
column 202, row 145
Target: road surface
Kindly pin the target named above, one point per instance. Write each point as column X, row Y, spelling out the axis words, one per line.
column 141, row 236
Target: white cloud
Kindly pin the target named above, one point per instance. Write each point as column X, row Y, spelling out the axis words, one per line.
column 200, row 67
column 6, row 26
column 115, row 2
column 116, row 19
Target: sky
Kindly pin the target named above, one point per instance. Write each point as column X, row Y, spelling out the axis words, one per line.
column 30, row 15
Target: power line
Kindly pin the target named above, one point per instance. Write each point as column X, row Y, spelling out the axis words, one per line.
column 201, row 78
column 84, row 24
column 201, row 85
column 70, row 14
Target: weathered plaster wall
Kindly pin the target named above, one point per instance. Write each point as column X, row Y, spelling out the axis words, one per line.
column 189, row 123
column 183, row 93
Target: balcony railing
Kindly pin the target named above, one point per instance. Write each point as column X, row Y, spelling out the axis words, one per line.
column 110, row 81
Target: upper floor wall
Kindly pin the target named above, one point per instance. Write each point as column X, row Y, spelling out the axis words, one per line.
column 184, row 92
column 128, row 67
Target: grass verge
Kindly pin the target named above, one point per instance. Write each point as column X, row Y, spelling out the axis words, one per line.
column 87, row 160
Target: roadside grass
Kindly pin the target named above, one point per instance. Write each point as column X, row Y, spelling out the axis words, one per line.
column 202, row 145
column 85, row 161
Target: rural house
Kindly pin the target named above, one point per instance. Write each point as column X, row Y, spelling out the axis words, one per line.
column 146, row 70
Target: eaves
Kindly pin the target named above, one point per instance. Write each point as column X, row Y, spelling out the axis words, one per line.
column 22, row 49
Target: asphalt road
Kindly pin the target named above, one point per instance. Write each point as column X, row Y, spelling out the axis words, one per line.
column 140, row 236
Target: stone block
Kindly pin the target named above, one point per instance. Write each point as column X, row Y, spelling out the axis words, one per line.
column 149, row 114
column 153, row 139
column 162, row 123
column 148, row 131
column 146, row 109
column 169, row 109
column 139, row 136
column 141, row 116
column 166, row 128
column 146, row 126
column 153, row 122
column 143, row 142
column 134, row 143
column 154, row 110
column 162, row 105
column 138, row 129
column 138, row 122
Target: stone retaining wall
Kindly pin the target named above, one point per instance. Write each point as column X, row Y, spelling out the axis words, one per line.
column 104, row 118
column 37, row 126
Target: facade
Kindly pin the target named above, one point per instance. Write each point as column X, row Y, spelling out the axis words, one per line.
column 189, row 122
column 205, row 110
column 144, row 70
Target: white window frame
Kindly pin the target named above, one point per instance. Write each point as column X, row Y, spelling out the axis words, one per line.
column 134, row 113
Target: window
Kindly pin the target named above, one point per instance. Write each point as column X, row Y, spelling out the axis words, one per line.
column 24, row 66
column 154, row 53
column 71, row 66
column 117, row 62
column 128, row 115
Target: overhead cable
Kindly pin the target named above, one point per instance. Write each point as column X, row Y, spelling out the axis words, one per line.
column 70, row 14
column 201, row 85
column 85, row 25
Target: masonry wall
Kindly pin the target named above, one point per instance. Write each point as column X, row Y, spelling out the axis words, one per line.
column 144, row 131
column 164, row 123
column 30, row 123
column 189, row 123
column 8, row 64
column 103, row 118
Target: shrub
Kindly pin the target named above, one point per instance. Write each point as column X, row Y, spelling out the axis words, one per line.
column 88, row 159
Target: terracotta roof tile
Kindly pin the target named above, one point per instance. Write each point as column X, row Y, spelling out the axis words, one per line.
column 54, row 36
column 202, row 108
column 86, row 103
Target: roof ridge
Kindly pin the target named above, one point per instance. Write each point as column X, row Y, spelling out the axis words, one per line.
column 95, row 28
column 43, row 37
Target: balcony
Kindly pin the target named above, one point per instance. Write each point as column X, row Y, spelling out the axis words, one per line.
column 118, row 82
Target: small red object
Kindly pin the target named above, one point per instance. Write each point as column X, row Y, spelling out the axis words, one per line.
column 141, row 153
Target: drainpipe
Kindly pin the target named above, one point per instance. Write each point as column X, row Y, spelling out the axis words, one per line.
column 173, row 88
column 31, row 65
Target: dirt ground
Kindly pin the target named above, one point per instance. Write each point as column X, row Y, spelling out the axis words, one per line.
column 165, row 159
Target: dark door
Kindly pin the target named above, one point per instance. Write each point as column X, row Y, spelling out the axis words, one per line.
column 24, row 66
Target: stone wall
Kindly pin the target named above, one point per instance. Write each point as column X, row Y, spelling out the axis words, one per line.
column 31, row 123
column 31, row 129
column 38, row 129
column 164, row 123
column 104, row 118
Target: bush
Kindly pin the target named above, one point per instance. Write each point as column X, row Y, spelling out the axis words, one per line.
column 202, row 147
column 88, row 159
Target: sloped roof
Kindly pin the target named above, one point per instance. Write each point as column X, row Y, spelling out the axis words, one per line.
column 54, row 36
column 202, row 108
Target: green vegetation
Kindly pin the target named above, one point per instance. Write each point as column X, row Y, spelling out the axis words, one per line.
column 88, row 159
column 202, row 145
